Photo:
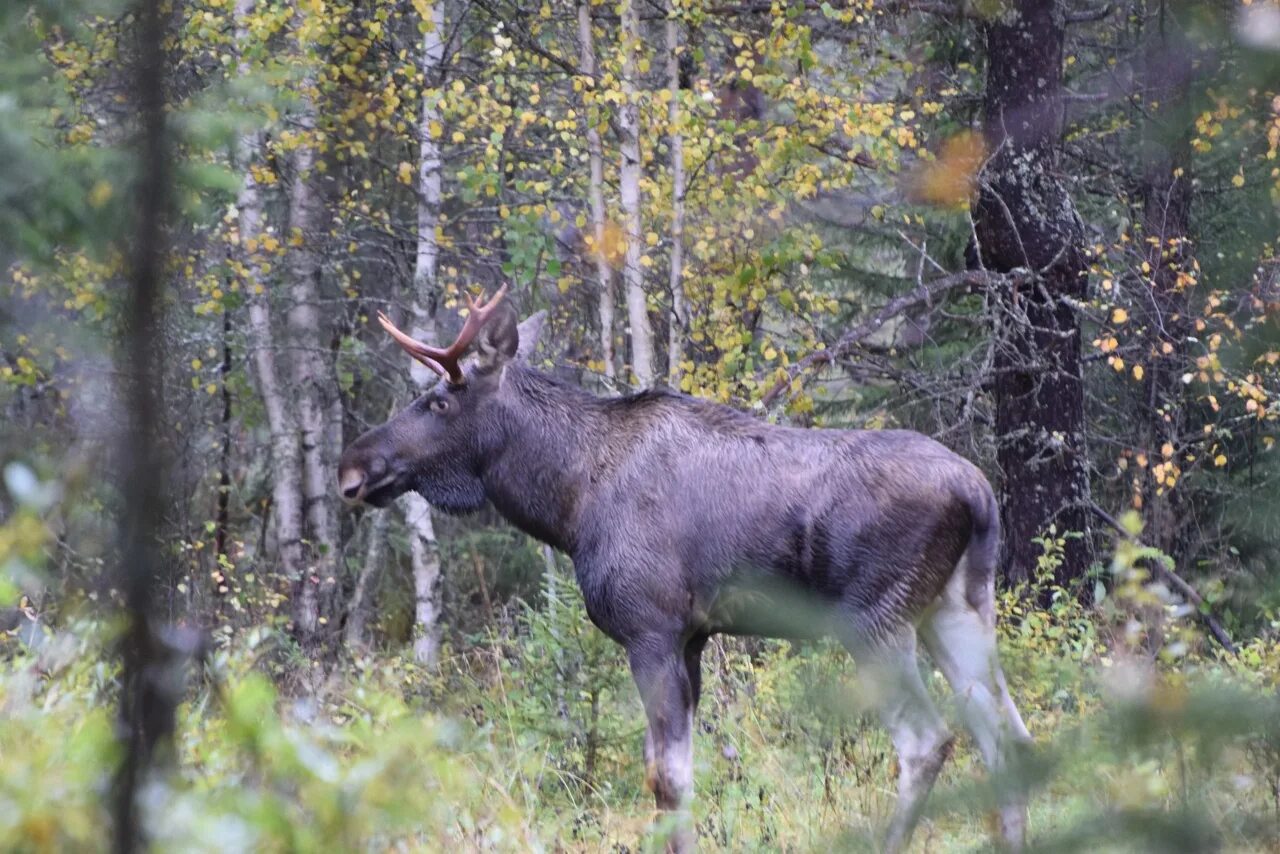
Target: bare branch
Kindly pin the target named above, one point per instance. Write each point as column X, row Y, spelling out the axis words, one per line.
column 1215, row 628
column 923, row 295
column 1087, row 16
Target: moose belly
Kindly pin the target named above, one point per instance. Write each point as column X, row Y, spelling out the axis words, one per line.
column 770, row 607
column 783, row 577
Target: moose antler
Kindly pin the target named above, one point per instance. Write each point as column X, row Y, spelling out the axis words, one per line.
column 446, row 362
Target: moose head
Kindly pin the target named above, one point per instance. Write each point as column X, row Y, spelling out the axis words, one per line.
column 436, row 445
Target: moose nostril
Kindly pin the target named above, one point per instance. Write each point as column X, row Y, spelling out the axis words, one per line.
column 377, row 468
column 350, row 483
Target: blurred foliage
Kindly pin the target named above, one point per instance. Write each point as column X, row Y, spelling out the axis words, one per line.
column 530, row 739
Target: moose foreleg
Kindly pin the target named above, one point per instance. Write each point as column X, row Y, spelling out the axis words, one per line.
column 665, row 689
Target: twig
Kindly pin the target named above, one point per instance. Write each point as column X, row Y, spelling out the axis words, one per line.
column 484, row 587
column 1176, row 580
column 1086, row 16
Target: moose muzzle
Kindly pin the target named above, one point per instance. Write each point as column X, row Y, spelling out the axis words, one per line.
column 357, row 477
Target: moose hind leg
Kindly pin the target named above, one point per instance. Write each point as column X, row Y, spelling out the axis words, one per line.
column 662, row 677
column 890, row 671
column 962, row 640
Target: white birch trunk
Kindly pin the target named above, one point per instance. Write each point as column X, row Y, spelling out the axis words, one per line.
column 629, row 190
column 595, row 194
column 426, row 580
column 286, row 482
column 315, row 387
column 679, row 322
column 424, row 551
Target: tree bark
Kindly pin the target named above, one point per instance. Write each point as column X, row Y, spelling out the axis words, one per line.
column 148, row 697
column 316, row 602
column 356, row 636
column 286, row 480
column 1165, row 195
column 679, row 322
column 1024, row 218
column 222, row 505
column 629, row 191
column 423, row 549
column 595, row 195
column 426, row 580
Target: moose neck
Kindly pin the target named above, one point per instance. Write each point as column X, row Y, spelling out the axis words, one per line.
column 541, row 472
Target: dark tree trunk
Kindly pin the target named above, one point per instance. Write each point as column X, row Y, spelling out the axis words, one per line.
column 1165, row 196
column 1025, row 219
column 222, row 510
column 147, row 698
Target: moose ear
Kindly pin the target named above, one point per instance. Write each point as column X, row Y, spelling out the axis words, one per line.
column 530, row 332
column 499, row 340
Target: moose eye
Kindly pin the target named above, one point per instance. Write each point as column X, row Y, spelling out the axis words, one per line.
column 439, row 405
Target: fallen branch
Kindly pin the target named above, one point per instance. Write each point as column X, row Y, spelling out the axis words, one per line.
column 1178, row 582
column 925, row 294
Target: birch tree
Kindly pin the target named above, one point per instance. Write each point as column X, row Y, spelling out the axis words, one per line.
column 313, row 382
column 595, row 189
column 629, row 191
column 679, row 322
column 285, row 451
column 424, row 550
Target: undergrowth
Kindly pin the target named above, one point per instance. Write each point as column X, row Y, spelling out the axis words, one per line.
column 529, row 738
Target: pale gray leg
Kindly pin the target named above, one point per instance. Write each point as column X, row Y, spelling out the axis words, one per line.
column 963, row 643
column 889, row 669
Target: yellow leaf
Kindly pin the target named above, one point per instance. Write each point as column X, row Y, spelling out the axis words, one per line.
column 948, row 181
column 1237, row 180
column 1119, row 316
column 1220, row 460
column 404, row 173
column 1137, row 372
column 100, row 194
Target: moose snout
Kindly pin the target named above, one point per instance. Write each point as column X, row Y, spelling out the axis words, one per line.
column 350, row 483
column 356, row 477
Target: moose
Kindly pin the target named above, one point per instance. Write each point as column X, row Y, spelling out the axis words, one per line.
column 685, row 518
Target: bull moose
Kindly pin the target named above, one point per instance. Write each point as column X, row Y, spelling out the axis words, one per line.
column 682, row 516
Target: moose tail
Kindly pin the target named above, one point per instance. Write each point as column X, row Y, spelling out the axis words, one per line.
column 982, row 555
